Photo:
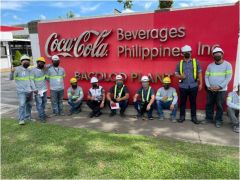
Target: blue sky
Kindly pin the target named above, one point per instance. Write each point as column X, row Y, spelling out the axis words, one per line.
column 20, row 11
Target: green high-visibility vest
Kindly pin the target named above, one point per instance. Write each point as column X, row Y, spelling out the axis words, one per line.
column 148, row 95
column 194, row 68
column 120, row 93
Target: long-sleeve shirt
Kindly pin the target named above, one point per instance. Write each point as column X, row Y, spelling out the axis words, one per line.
column 56, row 77
column 170, row 93
column 233, row 100
column 78, row 93
column 218, row 75
column 23, row 79
column 39, row 79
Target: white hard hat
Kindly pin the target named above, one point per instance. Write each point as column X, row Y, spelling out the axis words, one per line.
column 94, row 80
column 55, row 58
column 217, row 49
column 144, row 79
column 119, row 77
column 186, row 48
column 24, row 57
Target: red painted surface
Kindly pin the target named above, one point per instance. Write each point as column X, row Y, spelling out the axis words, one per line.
column 10, row 28
column 213, row 25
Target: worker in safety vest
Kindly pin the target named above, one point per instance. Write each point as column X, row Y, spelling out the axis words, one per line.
column 39, row 75
column 189, row 73
column 217, row 77
column 25, row 88
column 56, row 75
column 75, row 96
column 96, row 98
column 118, row 96
column 147, row 98
column 167, row 98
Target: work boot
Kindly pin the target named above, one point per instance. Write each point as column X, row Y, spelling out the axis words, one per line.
column 194, row 120
column 182, row 119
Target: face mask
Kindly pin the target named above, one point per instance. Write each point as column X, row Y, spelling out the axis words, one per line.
column 217, row 58
column 119, row 84
column 40, row 66
column 166, row 86
column 74, row 86
column 145, row 84
column 94, row 85
column 186, row 55
column 26, row 65
column 55, row 63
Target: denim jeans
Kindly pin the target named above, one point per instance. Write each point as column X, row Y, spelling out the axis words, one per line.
column 142, row 108
column 233, row 115
column 166, row 105
column 75, row 106
column 25, row 105
column 212, row 99
column 41, row 102
column 57, row 101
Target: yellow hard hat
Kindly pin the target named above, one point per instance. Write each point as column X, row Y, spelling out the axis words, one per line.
column 42, row 59
column 73, row 80
column 167, row 80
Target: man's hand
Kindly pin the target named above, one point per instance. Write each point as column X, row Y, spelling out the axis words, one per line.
column 148, row 107
column 172, row 107
column 118, row 99
column 134, row 99
column 165, row 98
column 93, row 98
column 102, row 104
column 35, row 92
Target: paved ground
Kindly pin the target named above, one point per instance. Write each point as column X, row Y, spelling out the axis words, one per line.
column 186, row 131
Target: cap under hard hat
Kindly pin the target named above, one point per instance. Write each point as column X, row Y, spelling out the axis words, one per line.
column 167, row 80
column 119, row 77
column 186, row 48
column 73, row 80
column 94, row 80
column 217, row 49
column 144, row 79
column 41, row 59
column 55, row 58
column 25, row 57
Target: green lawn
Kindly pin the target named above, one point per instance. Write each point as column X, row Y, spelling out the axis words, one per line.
column 52, row 151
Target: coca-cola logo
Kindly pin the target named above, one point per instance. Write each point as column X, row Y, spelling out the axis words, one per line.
column 80, row 46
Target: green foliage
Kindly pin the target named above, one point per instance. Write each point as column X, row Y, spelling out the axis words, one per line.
column 165, row 4
column 127, row 4
column 17, row 57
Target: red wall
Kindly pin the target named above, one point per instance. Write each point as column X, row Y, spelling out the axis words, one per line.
column 215, row 25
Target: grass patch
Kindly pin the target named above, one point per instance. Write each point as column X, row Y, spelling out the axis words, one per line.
column 39, row 151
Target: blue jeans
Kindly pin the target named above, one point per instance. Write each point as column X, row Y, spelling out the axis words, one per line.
column 166, row 105
column 75, row 106
column 41, row 104
column 57, row 101
column 25, row 105
column 142, row 108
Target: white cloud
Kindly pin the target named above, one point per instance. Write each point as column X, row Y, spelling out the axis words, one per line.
column 89, row 8
column 147, row 5
column 185, row 3
column 13, row 5
column 15, row 17
column 42, row 17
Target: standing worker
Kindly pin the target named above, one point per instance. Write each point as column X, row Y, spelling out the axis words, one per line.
column 189, row 73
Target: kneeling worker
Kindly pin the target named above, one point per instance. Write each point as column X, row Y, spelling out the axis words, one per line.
column 118, row 96
column 75, row 96
column 167, row 99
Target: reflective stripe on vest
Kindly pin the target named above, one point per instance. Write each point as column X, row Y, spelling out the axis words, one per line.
column 115, row 92
column 55, row 77
column 194, row 68
column 219, row 73
column 27, row 78
column 148, row 95
column 40, row 78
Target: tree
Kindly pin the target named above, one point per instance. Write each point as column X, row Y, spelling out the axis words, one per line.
column 165, row 4
column 127, row 4
column 17, row 57
column 69, row 15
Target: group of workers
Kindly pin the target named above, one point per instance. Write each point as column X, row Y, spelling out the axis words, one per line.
column 33, row 82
